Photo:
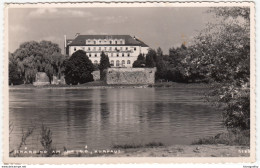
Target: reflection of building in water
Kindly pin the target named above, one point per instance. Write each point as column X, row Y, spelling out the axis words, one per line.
column 122, row 50
column 125, row 110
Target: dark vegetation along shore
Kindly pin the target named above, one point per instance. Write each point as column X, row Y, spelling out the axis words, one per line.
column 101, row 84
column 218, row 59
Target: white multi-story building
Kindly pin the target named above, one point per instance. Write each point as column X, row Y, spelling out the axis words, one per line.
column 122, row 50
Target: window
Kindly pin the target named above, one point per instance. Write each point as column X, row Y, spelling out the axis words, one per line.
column 111, row 54
column 121, row 48
column 94, row 42
column 94, row 48
column 100, row 42
column 116, row 42
column 112, row 62
column 123, row 63
column 128, row 54
column 128, row 62
column 126, row 48
column 135, row 48
column 121, row 42
column 95, row 55
column 110, row 42
column 89, row 55
column 116, row 48
column 105, row 48
column 117, row 55
column 99, row 48
column 110, row 48
column 75, row 48
column 123, row 54
column 95, row 62
column 117, row 63
column 89, row 48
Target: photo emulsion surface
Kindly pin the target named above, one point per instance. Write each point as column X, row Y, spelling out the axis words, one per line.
column 130, row 81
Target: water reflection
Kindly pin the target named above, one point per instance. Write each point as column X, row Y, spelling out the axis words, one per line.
column 100, row 118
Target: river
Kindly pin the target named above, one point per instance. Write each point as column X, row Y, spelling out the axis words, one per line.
column 101, row 118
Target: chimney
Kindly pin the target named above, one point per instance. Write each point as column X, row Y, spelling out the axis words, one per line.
column 77, row 34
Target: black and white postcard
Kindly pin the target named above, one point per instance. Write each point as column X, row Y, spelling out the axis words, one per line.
column 117, row 82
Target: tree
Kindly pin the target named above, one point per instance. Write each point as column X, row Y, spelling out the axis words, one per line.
column 151, row 58
column 104, row 64
column 223, row 49
column 161, row 65
column 33, row 57
column 178, row 64
column 78, row 68
column 159, row 52
column 14, row 77
column 140, row 62
column 55, row 65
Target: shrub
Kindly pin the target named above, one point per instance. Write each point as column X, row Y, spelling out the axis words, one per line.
column 46, row 139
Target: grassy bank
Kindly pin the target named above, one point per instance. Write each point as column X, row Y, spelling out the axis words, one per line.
column 241, row 138
column 159, row 151
column 148, row 145
column 187, row 151
column 172, row 151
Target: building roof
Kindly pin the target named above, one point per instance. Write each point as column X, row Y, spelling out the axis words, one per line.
column 80, row 40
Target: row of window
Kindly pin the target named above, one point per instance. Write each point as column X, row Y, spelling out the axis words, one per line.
column 105, row 42
column 109, row 54
column 112, row 62
column 104, row 48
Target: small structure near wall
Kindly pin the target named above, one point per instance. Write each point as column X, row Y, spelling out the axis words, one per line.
column 130, row 75
column 41, row 79
column 56, row 81
column 96, row 75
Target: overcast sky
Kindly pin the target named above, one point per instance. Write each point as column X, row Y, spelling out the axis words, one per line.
column 157, row 27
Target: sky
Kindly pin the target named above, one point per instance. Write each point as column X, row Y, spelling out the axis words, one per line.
column 163, row 27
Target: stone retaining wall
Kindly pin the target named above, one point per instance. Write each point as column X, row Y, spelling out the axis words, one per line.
column 130, row 75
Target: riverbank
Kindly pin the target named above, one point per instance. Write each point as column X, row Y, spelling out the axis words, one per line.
column 100, row 84
column 161, row 151
column 169, row 151
column 187, row 151
column 153, row 149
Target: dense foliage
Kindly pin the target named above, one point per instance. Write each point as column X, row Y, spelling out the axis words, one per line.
column 78, row 68
column 150, row 59
column 14, row 76
column 32, row 57
column 104, row 64
column 220, row 55
column 224, row 49
column 140, row 62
